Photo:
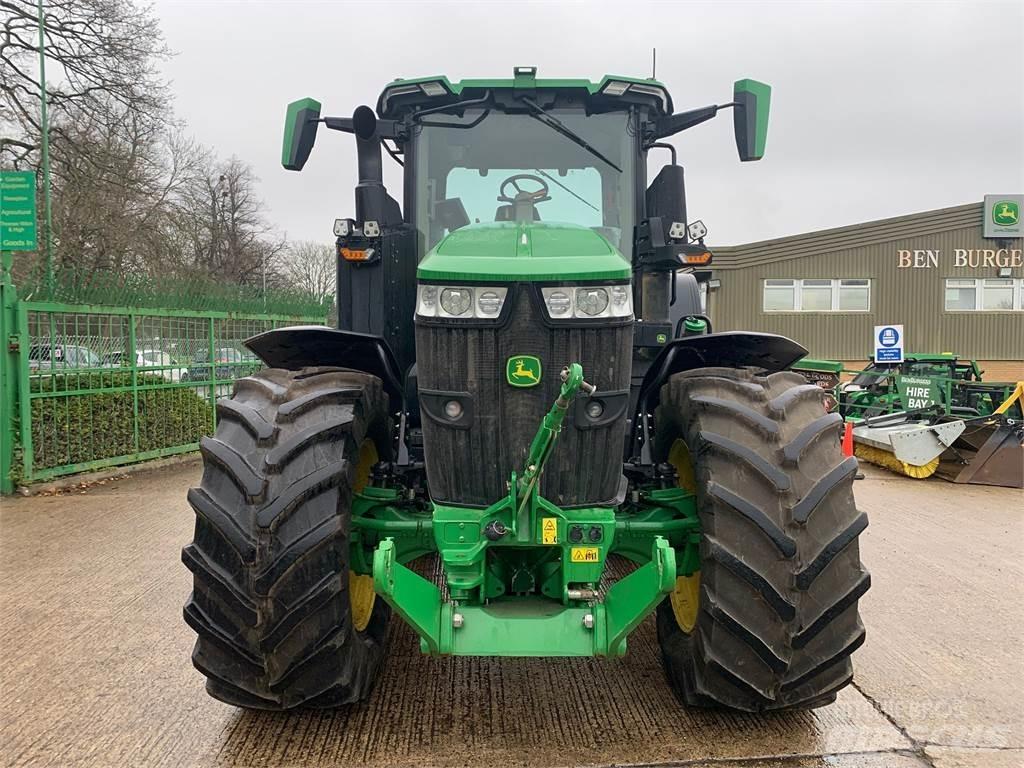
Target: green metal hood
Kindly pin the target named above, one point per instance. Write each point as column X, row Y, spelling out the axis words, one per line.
column 511, row 252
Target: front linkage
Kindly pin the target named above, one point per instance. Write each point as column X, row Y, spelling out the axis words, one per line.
column 524, row 575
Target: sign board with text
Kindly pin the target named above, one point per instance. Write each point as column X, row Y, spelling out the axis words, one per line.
column 888, row 344
column 1002, row 216
column 918, row 392
column 18, row 211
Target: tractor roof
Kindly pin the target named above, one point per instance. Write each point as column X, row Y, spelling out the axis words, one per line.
column 438, row 89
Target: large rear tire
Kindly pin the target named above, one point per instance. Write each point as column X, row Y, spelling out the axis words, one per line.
column 771, row 620
column 281, row 621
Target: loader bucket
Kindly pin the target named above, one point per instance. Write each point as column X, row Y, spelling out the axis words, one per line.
column 991, row 453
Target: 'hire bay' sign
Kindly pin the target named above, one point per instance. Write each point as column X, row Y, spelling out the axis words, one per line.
column 17, row 211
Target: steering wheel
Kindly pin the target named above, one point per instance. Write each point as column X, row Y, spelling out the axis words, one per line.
column 522, row 195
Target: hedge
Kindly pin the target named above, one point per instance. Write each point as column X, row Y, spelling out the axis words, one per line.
column 76, row 428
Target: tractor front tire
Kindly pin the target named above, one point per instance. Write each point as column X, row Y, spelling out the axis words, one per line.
column 771, row 620
column 280, row 619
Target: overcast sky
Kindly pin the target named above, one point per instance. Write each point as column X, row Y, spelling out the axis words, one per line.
column 878, row 108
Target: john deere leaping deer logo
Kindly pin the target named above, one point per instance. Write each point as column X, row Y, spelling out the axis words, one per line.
column 523, row 371
column 1006, row 213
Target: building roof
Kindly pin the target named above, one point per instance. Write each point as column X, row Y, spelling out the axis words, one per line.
column 852, row 236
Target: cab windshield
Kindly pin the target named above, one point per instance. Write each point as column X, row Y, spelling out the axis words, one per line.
column 539, row 174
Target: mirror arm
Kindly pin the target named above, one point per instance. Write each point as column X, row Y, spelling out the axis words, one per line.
column 673, row 124
column 338, row 124
column 386, row 129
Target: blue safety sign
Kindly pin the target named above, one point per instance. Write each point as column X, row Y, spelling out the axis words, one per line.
column 888, row 344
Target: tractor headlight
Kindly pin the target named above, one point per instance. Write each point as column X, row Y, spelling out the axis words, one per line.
column 456, row 301
column 619, row 87
column 460, row 301
column 428, row 300
column 431, row 88
column 591, row 301
column 587, row 302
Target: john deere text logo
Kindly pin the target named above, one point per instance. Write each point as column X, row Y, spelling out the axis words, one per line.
column 523, row 371
column 1005, row 213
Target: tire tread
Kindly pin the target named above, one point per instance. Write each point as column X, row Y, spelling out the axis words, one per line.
column 270, row 604
column 777, row 624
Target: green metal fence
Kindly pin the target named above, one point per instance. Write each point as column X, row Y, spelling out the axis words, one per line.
column 90, row 386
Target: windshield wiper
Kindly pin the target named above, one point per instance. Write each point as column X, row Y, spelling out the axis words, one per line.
column 556, row 181
column 538, row 113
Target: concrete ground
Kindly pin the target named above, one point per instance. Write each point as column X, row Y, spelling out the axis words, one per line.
column 96, row 667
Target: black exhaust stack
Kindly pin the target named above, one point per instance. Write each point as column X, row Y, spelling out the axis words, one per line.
column 371, row 197
column 376, row 293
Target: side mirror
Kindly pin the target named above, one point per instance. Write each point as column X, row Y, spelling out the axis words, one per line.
column 750, row 117
column 299, row 133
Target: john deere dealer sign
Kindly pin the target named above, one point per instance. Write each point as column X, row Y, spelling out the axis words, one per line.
column 17, row 211
column 1002, row 216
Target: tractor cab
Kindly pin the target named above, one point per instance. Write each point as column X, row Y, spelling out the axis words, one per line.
column 538, row 179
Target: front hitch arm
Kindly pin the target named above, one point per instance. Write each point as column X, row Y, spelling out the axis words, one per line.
column 544, row 442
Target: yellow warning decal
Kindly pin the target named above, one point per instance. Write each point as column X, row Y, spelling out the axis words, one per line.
column 549, row 530
column 586, row 555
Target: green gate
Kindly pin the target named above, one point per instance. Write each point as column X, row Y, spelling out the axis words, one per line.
column 88, row 386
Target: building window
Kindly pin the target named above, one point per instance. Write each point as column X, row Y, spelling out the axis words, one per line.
column 854, row 295
column 961, row 295
column 817, row 295
column 779, row 295
column 972, row 294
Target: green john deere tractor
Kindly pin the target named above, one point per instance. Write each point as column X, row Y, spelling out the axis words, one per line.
column 522, row 385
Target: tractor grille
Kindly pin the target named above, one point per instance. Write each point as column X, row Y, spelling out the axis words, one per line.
column 471, row 466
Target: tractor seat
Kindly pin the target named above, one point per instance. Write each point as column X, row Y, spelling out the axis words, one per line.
column 527, row 212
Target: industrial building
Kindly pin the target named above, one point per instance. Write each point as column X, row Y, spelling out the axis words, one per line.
column 942, row 274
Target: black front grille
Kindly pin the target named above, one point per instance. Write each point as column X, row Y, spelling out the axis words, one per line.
column 471, row 466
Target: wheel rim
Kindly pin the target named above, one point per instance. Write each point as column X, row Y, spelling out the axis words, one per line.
column 685, row 598
column 360, row 586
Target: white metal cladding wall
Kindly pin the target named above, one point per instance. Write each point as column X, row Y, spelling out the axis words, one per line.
column 913, row 297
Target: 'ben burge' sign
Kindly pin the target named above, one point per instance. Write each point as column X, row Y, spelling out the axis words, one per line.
column 975, row 258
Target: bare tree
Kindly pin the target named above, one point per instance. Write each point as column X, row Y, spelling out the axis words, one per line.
column 221, row 220
column 115, row 177
column 131, row 194
column 98, row 52
column 311, row 267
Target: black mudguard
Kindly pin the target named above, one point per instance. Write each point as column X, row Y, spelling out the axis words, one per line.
column 732, row 349
column 300, row 346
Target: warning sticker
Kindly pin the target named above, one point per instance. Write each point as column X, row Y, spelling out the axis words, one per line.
column 549, row 530
column 586, row 555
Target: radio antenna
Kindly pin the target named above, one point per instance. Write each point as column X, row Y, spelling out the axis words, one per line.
column 654, row 63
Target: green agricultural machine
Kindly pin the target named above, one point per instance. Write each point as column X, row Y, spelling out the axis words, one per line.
column 956, row 383
column 523, row 389
column 933, row 414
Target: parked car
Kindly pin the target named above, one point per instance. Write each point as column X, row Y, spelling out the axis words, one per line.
column 229, row 363
column 43, row 358
column 145, row 358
